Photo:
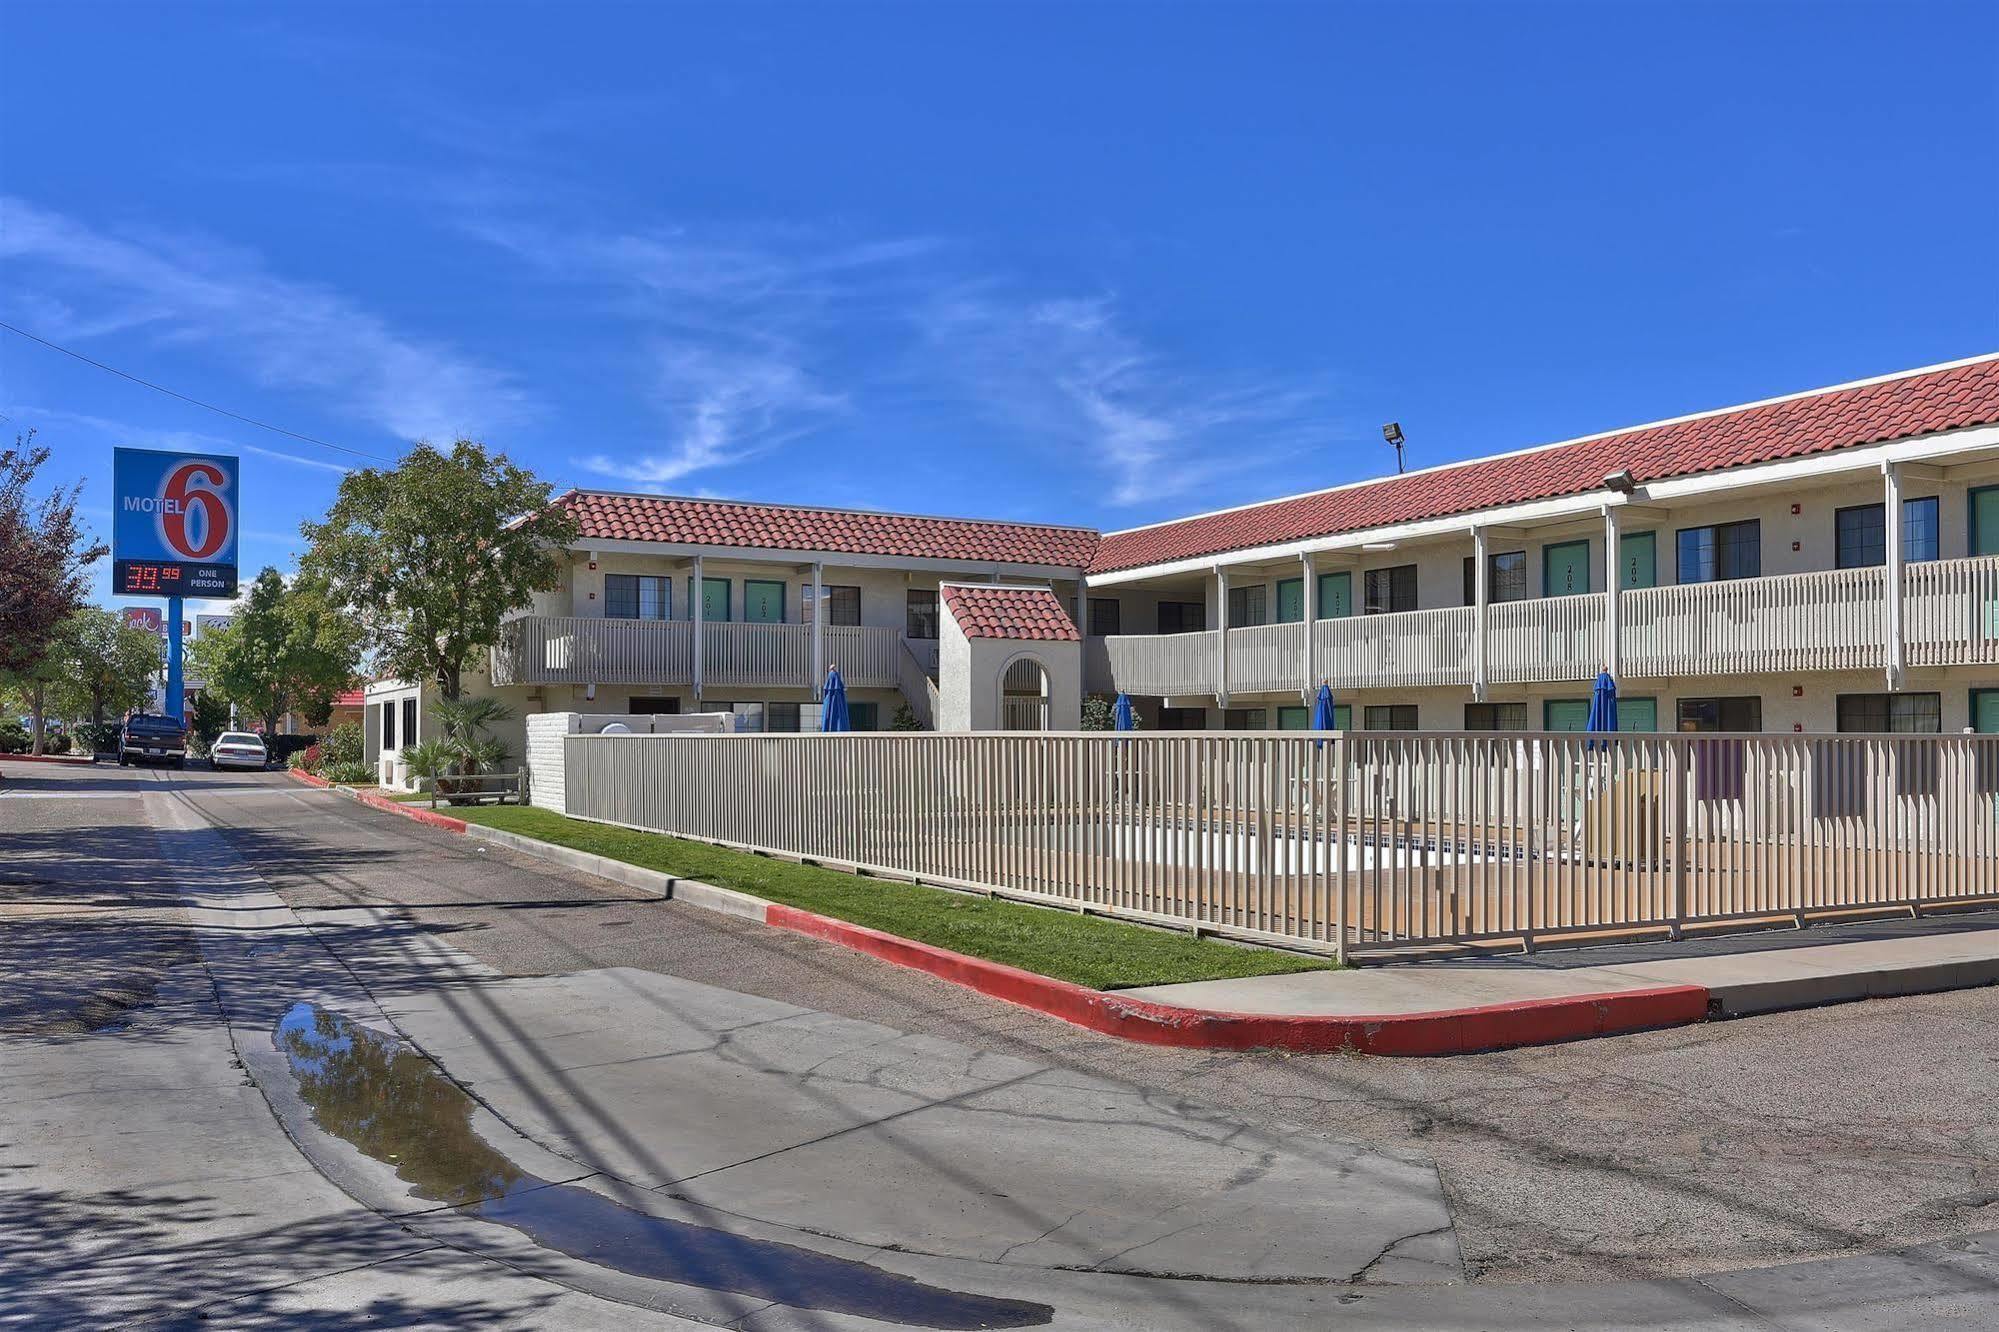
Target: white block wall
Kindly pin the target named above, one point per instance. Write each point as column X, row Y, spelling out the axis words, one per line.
column 543, row 756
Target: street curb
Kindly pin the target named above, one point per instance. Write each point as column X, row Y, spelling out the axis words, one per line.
column 374, row 801
column 80, row 760
column 1451, row 1031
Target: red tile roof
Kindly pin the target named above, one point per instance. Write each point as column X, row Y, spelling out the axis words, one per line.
column 352, row 698
column 1919, row 403
column 605, row 516
column 1033, row 613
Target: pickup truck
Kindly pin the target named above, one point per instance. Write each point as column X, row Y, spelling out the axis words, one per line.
column 152, row 737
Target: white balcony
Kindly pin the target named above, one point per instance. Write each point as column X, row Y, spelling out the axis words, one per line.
column 1828, row 621
column 1163, row 665
column 548, row 649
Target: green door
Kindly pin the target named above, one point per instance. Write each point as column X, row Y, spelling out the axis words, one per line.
column 1638, row 560
column 1294, row 719
column 1335, row 595
column 1290, row 600
column 1985, row 521
column 1565, row 714
column 1565, row 569
column 1985, row 711
column 714, row 599
column 763, row 601
column 1637, row 714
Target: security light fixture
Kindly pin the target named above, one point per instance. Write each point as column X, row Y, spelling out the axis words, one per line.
column 1622, row 482
column 1392, row 432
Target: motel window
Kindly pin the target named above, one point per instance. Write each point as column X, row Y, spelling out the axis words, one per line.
column 1721, row 714
column 389, row 726
column 1243, row 719
column 749, row 716
column 1183, row 719
column 1389, row 716
column 1182, row 617
column 1495, row 716
column 637, row 597
column 1721, row 552
column 920, row 615
column 410, row 736
column 1390, row 591
column 843, row 604
column 1860, row 534
column 1898, row 714
column 1105, row 617
column 862, row 716
column 1246, row 606
column 1505, row 579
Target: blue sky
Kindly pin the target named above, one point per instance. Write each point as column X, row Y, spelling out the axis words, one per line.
column 1102, row 264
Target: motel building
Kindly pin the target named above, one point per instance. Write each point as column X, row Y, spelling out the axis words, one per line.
column 1822, row 562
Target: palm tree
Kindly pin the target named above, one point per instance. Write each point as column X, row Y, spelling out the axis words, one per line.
column 462, row 749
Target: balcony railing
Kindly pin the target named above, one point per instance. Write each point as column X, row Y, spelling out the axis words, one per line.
column 548, row 649
column 1951, row 612
column 1828, row 621
column 1833, row 621
column 1553, row 638
column 1408, row 649
column 1163, row 664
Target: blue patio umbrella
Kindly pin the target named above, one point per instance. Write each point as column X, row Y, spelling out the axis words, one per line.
column 1602, row 707
column 833, row 703
column 1323, row 716
column 1121, row 716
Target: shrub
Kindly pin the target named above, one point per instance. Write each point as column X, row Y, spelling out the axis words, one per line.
column 342, row 744
column 311, row 758
column 98, row 737
column 13, row 737
column 348, row 774
column 56, row 742
column 905, row 719
column 282, row 747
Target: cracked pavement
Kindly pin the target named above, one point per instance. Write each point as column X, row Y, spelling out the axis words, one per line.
column 781, row 1086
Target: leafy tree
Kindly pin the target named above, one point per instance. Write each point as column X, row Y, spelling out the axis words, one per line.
column 289, row 646
column 431, row 554
column 103, row 665
column 905, row 719
column 44, row 555
column 207, row 717
column 1100, row 714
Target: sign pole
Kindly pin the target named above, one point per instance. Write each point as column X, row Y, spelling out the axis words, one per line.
column 176, row 707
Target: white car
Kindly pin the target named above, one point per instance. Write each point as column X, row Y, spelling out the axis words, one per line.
column 239, row 749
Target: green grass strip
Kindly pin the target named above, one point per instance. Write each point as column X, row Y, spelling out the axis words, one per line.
column 1087, row 950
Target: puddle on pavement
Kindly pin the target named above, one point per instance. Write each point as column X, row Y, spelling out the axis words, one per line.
column 393, row 1104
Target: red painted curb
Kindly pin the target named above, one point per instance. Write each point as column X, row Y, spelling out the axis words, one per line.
column 80, row 759
column 1449, row 1031
column 374, row 801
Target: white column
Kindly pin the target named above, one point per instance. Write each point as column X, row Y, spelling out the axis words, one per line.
column 1891, row 486
column 1311, row 600
column 1613, row 595
column 818, row 627
column 1481, row 598
column 695, row 598
column 1222, row 644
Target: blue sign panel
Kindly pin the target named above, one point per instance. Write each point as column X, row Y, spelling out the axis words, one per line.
column 173, row 529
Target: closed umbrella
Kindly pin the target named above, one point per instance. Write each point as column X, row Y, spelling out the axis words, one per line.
column 833, row 703
column 1602, row 708
column 1323, row 716
column 1121, row 717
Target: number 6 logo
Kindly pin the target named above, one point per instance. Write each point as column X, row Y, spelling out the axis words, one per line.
column 190, row 486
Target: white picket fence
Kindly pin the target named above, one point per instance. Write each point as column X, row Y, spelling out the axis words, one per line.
column 1346, row 842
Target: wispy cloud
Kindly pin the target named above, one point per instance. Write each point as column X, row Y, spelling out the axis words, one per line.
column 1070, row 371
column 724, row 409
column 82, row 282
column 129, row 435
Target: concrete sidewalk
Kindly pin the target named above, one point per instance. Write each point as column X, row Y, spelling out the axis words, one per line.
column 1741, row 974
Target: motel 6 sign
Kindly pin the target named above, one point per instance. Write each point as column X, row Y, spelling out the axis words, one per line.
column 173, row 531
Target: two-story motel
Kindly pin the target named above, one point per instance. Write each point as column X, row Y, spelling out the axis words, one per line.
column 1825, row 561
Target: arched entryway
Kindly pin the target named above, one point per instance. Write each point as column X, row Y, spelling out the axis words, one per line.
column 1024, row 696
